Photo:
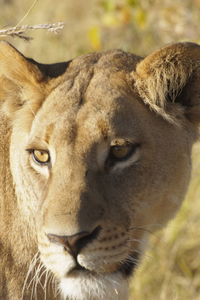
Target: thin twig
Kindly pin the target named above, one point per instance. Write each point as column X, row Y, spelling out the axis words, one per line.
column 27, row 13
column 18, row 31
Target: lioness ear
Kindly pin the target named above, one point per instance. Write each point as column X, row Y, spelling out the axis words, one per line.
column 169, row 81
column 19, row 79
column 23, row 80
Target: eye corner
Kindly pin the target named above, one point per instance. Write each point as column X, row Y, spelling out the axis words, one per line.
column 29, row 150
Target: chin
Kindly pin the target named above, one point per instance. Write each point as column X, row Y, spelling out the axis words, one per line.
column 85, row 285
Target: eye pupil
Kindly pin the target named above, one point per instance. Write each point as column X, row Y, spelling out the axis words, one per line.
column 119, row 152
column 41, row 156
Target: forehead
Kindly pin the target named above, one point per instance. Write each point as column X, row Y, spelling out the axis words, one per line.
column 96, row 102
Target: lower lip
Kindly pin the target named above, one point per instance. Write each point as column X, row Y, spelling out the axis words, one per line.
column 77, row 271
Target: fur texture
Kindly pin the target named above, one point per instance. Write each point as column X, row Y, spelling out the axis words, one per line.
column 75, row 226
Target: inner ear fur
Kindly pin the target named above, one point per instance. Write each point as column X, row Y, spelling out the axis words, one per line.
column 24, row 80
column 168, row 80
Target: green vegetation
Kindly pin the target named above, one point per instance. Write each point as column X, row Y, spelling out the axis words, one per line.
column 171, row 268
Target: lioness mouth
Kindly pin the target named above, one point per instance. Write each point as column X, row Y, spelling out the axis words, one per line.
column 77, row 270
column 126, row 268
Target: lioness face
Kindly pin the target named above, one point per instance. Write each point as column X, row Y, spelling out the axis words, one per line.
column 99, row 170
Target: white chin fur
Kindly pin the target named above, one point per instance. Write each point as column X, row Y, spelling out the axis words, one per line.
column 98, row 287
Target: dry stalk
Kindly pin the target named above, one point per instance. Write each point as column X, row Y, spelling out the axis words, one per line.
column 18, row 31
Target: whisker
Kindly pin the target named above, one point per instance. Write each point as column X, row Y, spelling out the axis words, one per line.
column 147, row 227
column 57, row 291
column 140, row 242
column 30, row 270
column 35, row 281
column 47, row 275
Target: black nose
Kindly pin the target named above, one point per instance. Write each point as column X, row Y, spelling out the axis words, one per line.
column 74, row 243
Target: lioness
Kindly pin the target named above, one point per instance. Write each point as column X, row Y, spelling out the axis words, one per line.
column 95, row 153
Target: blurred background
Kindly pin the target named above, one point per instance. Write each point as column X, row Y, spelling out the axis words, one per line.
column 139, row 26
column 170, row 269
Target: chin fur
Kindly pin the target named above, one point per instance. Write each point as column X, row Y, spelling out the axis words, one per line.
column 94, row 287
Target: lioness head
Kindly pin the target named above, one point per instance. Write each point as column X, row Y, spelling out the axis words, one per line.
column 100, row 154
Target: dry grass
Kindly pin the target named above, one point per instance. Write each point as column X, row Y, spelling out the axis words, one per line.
column 20, row 31
column 171, row 268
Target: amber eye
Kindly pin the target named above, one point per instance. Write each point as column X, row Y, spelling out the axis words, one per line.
column 121, row 152
column 41, row 156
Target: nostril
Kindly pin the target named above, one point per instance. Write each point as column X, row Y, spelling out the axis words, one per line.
column 68, row 242
column 74, row 243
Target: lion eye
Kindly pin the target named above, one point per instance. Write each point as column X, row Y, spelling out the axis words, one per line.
column 120, row 152
column 41, row 156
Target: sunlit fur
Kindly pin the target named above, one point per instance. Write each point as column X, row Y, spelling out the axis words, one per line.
column 109, row 287
column 76, row 111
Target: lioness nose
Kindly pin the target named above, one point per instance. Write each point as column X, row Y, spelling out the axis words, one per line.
column 74, row 243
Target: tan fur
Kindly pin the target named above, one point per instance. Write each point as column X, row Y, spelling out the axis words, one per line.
column 77, row 111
